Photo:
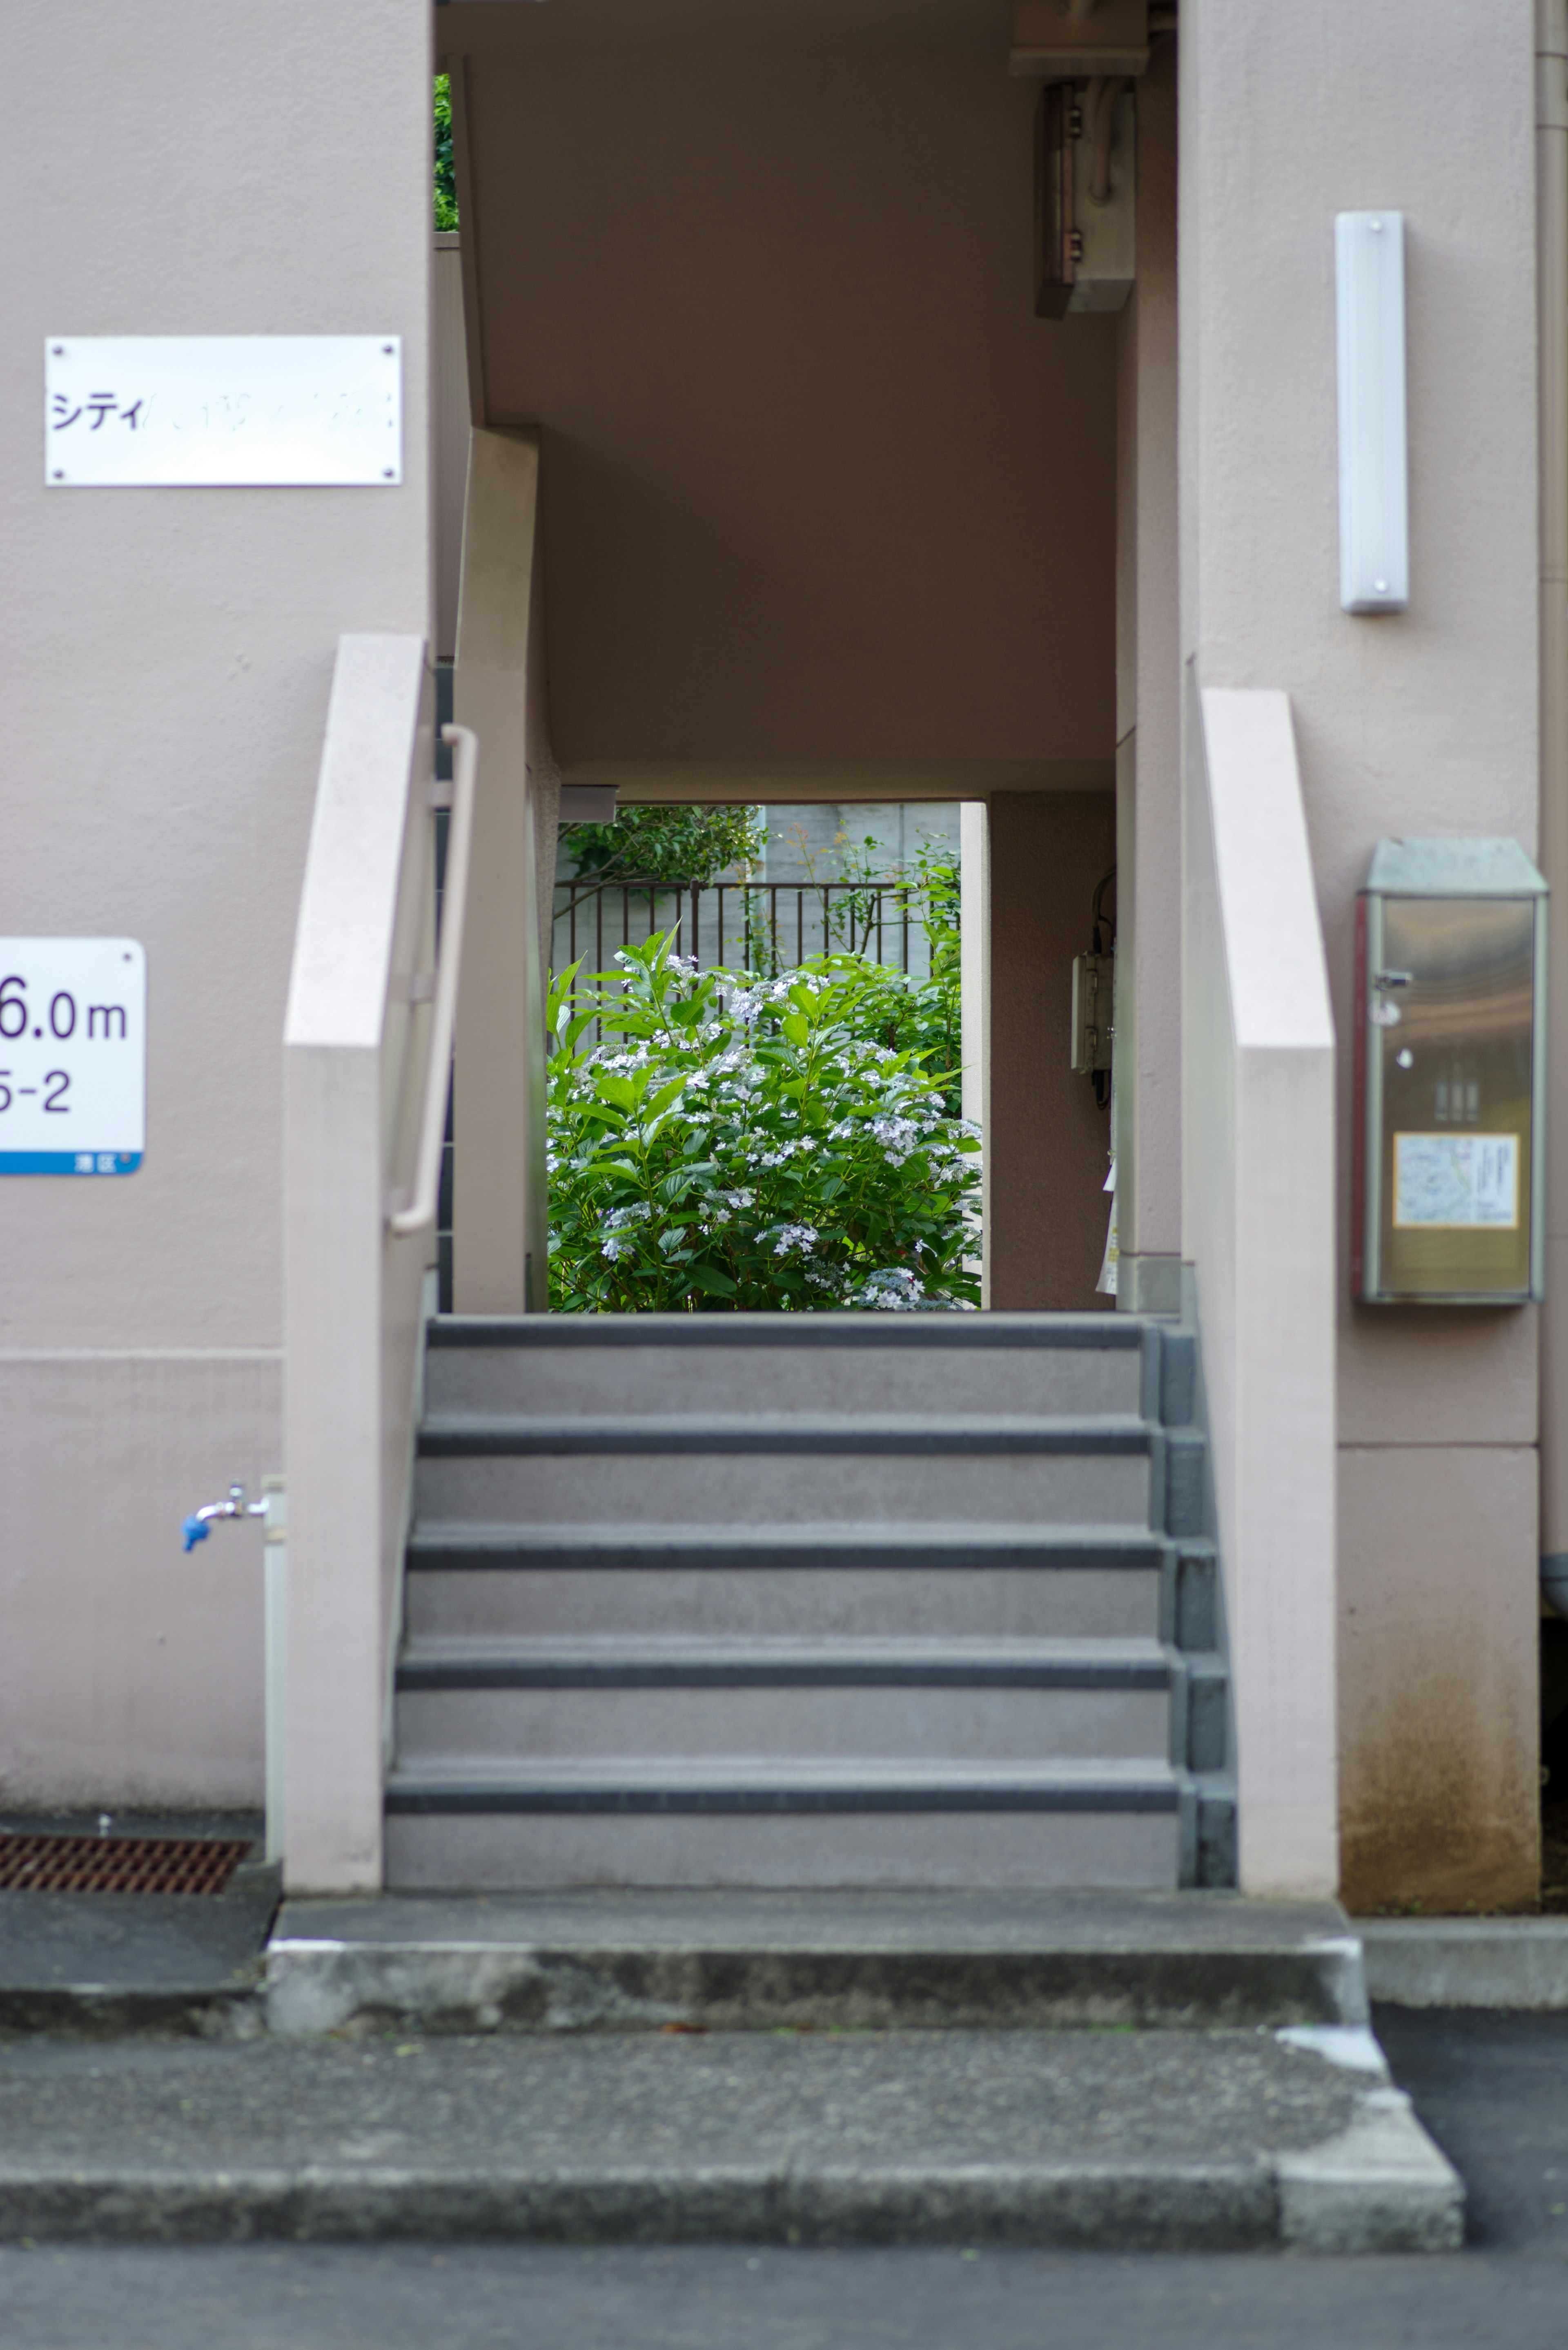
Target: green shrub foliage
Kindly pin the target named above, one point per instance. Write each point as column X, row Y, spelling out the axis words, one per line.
column 736, row 1142
column 674, row 847
column 919, row 1016
column 445, row 188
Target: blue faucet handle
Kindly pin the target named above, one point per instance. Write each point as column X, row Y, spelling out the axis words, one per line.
column 195, row 1530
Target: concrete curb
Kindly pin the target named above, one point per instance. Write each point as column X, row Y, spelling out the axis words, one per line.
column 328, row 1986
column 1518, row 1962
column 1379, row 2187
column 109, row 2012
column 728, row 1962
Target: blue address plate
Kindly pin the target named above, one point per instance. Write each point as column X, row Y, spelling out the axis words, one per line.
column 70, row 1163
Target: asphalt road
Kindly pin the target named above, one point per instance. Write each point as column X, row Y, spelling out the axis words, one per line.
column 1493, row 2090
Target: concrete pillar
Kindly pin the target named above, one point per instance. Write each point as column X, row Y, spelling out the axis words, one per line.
column 1419, row 723
column 1149, row 731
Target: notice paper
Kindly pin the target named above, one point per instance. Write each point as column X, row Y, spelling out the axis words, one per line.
column 1456, row 1181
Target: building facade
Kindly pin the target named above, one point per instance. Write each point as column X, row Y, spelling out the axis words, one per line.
column 778, row 488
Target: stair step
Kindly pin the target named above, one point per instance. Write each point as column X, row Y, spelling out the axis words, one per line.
column 606, row 1959
column 501, row 1825
column 864, row 1700
column 933, row 1581
column 818, row 1363
column 746, row 1468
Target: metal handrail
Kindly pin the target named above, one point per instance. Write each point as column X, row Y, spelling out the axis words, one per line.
column 421, row 1212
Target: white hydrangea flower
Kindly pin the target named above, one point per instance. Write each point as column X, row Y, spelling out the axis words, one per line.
column 791, row 1237
column 893, row 1290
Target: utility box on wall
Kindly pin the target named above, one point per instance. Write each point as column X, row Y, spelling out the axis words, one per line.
column 1450, row 1067
column 1086, row 198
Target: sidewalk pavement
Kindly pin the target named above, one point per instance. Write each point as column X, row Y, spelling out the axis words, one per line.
column 1114, row 2070
column 1122, row 2139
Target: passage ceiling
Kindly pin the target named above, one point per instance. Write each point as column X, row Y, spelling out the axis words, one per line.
column 819, row 485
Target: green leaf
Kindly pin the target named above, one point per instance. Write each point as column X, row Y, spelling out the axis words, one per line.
column 709, row 1278
column 668, row 1094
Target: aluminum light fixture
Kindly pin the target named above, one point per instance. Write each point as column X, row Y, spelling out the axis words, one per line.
column 1374, row 474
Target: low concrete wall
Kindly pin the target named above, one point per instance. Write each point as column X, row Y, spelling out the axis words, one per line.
column 1258, row 1220
column 354, row 1063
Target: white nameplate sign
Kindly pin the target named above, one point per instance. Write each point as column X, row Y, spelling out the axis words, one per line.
column 193, row 411
column 73, row 1057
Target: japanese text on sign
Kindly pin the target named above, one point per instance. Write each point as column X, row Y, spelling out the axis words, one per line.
column 215, row 411
column 1454, row 1181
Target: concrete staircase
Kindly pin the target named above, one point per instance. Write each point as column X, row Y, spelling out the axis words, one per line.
column 769, row 1600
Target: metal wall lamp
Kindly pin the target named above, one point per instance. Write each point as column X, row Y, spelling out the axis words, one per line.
column 1374, row 469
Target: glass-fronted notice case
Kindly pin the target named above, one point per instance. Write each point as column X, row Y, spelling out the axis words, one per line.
column 1450, row 1068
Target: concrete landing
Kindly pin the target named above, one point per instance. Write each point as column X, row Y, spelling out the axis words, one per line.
column 1155, row 2140
column 626, row 1962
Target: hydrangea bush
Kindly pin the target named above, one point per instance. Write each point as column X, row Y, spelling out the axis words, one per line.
column 738, row 1142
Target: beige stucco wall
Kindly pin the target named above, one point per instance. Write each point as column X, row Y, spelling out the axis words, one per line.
column 166, row 657
column 818, row 485
column 1424, row 722
column 1047, row 1142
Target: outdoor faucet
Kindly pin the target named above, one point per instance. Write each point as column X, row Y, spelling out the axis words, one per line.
column 198, row 1526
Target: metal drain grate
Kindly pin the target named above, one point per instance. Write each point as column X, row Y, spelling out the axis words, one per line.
column 56, row 1864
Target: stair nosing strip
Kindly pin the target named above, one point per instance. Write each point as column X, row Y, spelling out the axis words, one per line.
column 482, row 1436
column 1107, row 1332
column 458, row 1555
column 508, row 1550
column 1110, row 1676
column 412, row 1796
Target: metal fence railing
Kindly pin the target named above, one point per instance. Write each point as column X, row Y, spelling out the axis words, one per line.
column 743, row 925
